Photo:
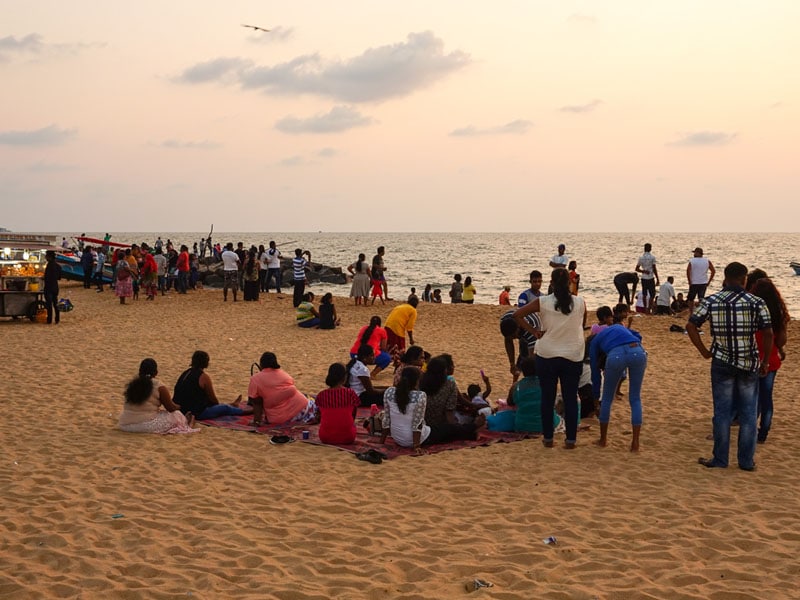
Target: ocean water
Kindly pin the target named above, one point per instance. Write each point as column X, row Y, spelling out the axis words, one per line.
column 497, row 259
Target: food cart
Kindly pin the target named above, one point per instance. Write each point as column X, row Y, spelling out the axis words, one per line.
column 22, row 261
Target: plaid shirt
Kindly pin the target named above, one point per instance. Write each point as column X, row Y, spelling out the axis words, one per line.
column 735, row 317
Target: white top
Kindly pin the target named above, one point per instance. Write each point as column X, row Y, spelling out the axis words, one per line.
column 665, row 294
column 698, row 274
column 562, row 260
column 273, row 258
column 403, row 425
column 647, row 261
column 161, row 264
column 230, row 262
column 263, row 258
column 359, row 370
column 639, row 299
column 563, row 334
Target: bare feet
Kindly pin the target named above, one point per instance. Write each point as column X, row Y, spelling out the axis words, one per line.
column 237, row 402
column 634, row 446
column 601, row 442
column 190, row 419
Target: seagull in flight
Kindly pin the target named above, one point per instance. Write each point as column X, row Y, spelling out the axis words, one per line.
column 256, row 28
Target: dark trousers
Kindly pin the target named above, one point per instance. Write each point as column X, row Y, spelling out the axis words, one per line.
column 98, row 279
column 553, row 371
column 299, row 288
column 276, row 273
column 87, row 278
column 449, row 432
column 51, row 302
column 262, row 278
column 369, row 398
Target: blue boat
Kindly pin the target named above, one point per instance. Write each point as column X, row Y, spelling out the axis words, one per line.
column 71, row 268
column 796, row 267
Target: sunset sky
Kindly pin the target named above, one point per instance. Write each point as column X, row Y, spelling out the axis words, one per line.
column 613, row 115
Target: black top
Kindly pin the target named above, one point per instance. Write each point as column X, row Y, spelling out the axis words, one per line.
column 188, row 393
column 52, row 273
column 326, row 320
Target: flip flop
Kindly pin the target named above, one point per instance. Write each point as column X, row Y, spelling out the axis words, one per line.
column 378, row 453
column 368, row 457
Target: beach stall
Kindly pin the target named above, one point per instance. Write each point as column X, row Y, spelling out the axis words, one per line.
column 22, row 272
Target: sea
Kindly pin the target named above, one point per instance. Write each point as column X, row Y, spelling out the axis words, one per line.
column 494, row 260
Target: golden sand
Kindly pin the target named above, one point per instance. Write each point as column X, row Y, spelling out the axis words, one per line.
column 223, row 514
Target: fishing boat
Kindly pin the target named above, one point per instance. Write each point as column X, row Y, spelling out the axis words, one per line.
column 72, row 269
column 796, row 267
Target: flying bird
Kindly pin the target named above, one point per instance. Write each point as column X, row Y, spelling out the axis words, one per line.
column 256, row 28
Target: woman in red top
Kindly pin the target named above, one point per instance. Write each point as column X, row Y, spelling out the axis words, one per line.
column 183, row 269
column 374, row 336
column 337, row 408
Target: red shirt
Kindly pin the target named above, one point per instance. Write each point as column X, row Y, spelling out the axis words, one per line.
column 378, row 335
column 183, row 262
column 336, row 408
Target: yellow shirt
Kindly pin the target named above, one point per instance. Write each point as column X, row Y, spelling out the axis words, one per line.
column 401, row 319
column 468, row 293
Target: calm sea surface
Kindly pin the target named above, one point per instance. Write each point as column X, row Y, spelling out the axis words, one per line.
column 497, row 259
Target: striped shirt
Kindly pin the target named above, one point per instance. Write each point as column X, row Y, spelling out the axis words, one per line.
column 526, row 340
column 735, row 318
column 299, row 268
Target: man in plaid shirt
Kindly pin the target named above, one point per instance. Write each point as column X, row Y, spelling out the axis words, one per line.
column 735, row 317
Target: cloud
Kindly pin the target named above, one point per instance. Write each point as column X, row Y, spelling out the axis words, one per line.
column 705, row 138
column 276, row 34
column 293, row 161
column 582, row 19
column 45, row 167
column 213, row 70
column 46, row 136
column 339, row 118
column 390, row 71
column 33, row 44
column 518, row 127
column 581, row 108
column 179, row 145
column 327, row 152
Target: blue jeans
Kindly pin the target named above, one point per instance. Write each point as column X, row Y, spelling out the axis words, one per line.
column 551, row 371
column 219, row 410
column 632, row 359
column 765, row 385
column 734, row 391
column 276, row 273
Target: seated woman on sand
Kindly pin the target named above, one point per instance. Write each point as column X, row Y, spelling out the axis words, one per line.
column 404, row 417
column 144, row 397
column 328, row 319
column 359, row 380
column 305, row 313
column 414, row 356
column 337, row 408
column 273, row 394
column 195, row 394
column 441, row 391
column 525, row 396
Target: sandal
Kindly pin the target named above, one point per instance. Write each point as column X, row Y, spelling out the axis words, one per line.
column 369, row 457
column 280, row 439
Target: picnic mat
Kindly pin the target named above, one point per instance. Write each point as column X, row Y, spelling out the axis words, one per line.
column 364, row 441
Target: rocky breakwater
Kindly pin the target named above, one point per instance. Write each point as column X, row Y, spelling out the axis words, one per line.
column 211, row 273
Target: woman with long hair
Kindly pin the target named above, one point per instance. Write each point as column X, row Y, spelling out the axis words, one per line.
column 559, row 352
column 337, row 405
column 362, row 276
column 359, row 380
column 375, row 336
column 763, row 287
column 251, row 276
column 144, row 397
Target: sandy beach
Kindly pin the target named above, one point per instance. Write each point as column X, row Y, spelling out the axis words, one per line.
column 91, row 512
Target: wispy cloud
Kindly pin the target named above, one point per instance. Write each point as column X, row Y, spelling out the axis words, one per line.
column 275, row 34
column 46, row 136
column 294, row 161
column 218, row 69
column 581, row 108
column 45, row 167
column 390, row 71
column 327, row 152
column 704, row 138
column 518, row 127
column 339, row 118
column 181, row 145
column 33, row 45
column 582, row 19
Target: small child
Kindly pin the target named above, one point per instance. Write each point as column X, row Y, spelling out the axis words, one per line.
column 437, row 296
column 377, row 290
column 574, row 278
column 605, row 317
column 480, row 400
column 413, row 294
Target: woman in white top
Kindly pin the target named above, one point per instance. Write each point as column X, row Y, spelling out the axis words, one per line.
column 404, row 417
column 559, row 352
column 359, row 380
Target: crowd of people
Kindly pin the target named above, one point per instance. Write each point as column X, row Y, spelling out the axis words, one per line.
column 559, row 375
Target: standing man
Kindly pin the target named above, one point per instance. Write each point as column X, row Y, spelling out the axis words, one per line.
column 400, row 322
column 534, row 291
column 99, row 261
column 378, row 270
column 697, row 273
column 735, row 318
column 202, row 247
column 87, row 261
column 299, row 268
column 560, row 260
column 242, row 254
column 52, row 274
column 273, row 267
column 230, row 271
column 646, row 265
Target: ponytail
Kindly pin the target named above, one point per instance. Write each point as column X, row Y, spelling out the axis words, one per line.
column 560, row 282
